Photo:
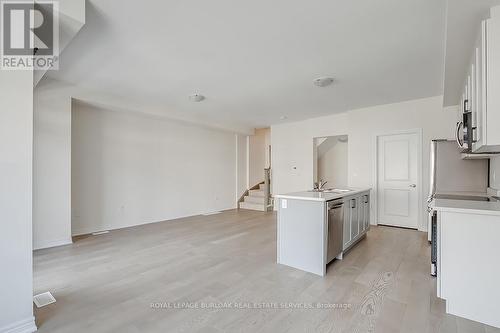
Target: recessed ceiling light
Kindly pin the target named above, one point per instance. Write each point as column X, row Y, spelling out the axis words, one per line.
column 323, row 81
column 283, row 117
column 343, row 138
column 196, row 98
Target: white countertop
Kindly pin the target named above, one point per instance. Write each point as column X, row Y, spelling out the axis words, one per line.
column 470, row 194
column 320, row 196
column 467, row 206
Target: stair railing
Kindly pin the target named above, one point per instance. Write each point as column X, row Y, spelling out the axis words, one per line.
column 267, row 188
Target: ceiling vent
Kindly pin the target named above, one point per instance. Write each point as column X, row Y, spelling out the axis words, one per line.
column 43, row 299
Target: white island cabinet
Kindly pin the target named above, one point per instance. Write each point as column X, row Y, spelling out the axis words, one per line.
column 468, row 266
column 356, row 218
column 303, row 226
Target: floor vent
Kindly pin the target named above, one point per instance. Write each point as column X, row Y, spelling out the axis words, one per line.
column 43, row 299
column 100, row 233
column 211, row 213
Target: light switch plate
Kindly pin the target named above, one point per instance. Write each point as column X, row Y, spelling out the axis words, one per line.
column 284, row 203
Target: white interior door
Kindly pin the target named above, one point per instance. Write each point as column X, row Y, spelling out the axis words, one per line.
column 397, row 195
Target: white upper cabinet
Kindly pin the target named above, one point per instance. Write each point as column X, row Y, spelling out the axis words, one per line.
column 481, row 95
column 479, row 79
column 492, row 128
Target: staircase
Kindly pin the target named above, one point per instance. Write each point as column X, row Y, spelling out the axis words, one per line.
column 259, row 197
column 255, row 200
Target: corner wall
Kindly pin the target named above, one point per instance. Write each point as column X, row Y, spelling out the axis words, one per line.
column 16, row 148
column 130, row 169
column 52, row 165
column 241, row 165
column 52, row 211
column 257, row 156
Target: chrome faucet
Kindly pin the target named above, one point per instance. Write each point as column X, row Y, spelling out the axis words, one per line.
column 319, row 185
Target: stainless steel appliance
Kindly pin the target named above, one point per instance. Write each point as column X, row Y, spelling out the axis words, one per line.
column 452, row 177
column 335, row 228
column 434, row 243
column 465, row 134
column 433, row 219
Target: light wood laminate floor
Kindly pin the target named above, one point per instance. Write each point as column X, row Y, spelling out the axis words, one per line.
column 107, row 283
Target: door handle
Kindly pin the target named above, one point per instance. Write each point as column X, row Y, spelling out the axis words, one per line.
column 413, row 185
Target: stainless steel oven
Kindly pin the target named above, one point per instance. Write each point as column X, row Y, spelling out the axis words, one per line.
column 434, row 243
column 433, row 224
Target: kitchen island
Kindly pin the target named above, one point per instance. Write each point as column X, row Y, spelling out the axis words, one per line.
column 316, row 227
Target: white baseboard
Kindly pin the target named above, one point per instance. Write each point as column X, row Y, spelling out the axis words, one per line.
column 52, row 243
column 22, row 326
column 80, row 232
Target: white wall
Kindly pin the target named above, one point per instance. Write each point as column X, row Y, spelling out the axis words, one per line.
column 130, row 169
column 293, row 142
column 332, row 164
column 315, row 160
column 257, row 156
column 267, row 147
column 52, row 159
column 52, row 165
column 16, row 148
column 495, row 173
column 241, row 165
column 292, row 150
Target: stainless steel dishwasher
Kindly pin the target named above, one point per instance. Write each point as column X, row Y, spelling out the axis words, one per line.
column 335, row 228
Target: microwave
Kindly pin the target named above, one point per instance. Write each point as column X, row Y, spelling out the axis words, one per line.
column 465, row 129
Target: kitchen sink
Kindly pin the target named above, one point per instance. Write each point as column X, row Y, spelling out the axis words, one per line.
column 331, row 190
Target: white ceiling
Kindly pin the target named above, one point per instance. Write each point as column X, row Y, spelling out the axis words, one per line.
column 255, row 60
column 463, row 26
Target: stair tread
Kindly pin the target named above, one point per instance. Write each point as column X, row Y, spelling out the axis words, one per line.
column 254, row 199
column 257, row 193
column 252, row 206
